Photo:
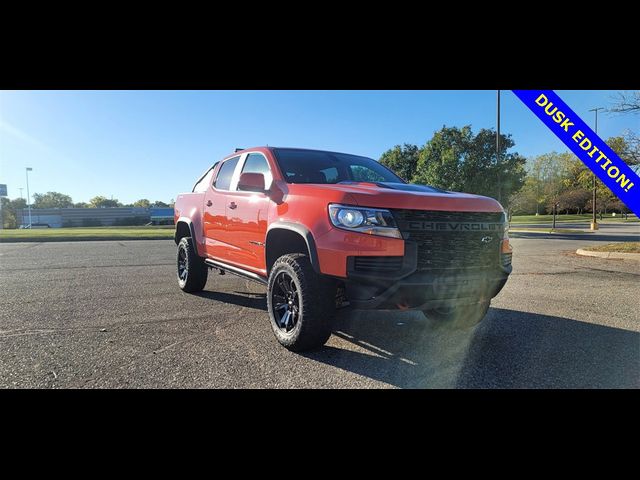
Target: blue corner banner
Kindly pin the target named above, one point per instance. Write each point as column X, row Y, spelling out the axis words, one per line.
column 585, row 144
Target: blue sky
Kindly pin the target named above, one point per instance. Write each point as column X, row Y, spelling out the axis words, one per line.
column 154, row 144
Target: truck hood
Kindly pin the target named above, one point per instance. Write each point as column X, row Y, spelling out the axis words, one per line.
column 408, row 196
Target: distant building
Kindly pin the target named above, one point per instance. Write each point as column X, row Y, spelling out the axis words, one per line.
column 95, row 217
column 161, row 216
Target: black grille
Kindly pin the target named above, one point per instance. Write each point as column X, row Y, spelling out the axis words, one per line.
column 434, row 216
column 377, row 264
column 453, row 240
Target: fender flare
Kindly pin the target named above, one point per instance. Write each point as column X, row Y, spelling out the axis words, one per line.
column 305, row 233
column 192, row 230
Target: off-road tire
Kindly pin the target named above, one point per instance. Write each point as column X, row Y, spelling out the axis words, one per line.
column 195, row 277
column 316, row 303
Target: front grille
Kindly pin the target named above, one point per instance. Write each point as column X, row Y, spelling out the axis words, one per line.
column 453, row 240
column 377, row 264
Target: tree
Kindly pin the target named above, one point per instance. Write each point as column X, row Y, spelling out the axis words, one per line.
column 574, row 200
column 143, row 203
column 527, row 200
column 626, row 102
column 51, row 200
column 605, row 197
column 103, row 202
column 627, row 147
column 403, row 160
column 8, row 215
column 456, row 159
column 18, row 203
column 81, row 205
column 160, row 204
column 552, row 174
column 620, row 206
column 632, row 151
column 10, row 211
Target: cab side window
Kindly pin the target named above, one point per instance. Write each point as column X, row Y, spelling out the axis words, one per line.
column 256, row 163
column 225, row 174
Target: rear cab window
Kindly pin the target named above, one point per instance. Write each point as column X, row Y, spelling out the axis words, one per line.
column 204, row 182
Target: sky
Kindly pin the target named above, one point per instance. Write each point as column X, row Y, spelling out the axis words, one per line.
column 154, row 144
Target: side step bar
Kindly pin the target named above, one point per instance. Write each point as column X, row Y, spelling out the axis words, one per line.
column 236, row 271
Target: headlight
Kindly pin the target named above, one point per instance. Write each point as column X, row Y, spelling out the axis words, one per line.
column 373, row 221
column 350, row 218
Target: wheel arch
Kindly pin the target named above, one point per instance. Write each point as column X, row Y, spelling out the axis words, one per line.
column 287, row 237
column 185, row 228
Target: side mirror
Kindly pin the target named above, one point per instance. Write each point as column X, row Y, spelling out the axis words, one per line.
column 251, row 182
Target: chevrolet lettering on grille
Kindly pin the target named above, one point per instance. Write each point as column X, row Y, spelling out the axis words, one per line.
column 417, row 225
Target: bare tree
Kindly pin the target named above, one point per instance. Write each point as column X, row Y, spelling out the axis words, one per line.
column 626, row 102
column 632, row 151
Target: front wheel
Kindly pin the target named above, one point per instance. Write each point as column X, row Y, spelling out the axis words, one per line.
column 460, row 317
column 301, row 303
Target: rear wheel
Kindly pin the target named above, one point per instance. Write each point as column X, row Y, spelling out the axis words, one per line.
column 301, row 303
column 192, row 271
column 459, row 317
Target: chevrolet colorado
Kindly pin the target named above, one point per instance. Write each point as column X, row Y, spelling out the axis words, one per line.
column 322, row 230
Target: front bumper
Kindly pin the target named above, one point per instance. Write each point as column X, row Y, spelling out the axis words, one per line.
column 413, row 289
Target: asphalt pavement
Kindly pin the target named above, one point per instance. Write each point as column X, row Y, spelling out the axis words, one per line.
column 110, row 314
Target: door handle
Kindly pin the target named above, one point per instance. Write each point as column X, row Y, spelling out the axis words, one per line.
column 233, row 205
column 209, row 203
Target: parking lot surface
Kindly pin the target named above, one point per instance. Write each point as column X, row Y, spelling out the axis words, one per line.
column 110, row 314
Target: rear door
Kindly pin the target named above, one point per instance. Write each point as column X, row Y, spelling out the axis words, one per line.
column 214, row 218
column 247, row 214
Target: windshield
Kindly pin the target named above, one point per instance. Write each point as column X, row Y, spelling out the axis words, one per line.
column 314, row 166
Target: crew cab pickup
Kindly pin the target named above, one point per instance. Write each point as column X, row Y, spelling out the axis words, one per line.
column 323, row 230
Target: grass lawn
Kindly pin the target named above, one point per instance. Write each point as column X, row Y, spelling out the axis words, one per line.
column 585, row 218
column 623, row 247
column 87, row 233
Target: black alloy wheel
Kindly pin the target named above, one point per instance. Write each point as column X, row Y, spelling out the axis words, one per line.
column 285, row 299
column 183, row 266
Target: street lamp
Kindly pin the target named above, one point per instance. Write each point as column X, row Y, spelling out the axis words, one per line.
column 29, row 169
column 594, row 222
column 498, row 144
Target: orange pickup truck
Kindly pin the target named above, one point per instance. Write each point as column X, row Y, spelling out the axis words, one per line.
column 324, row 230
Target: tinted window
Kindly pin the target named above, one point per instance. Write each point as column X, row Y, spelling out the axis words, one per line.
column 226, row 173
column 331, row 174
column 361, row 173
column 204, row 182
column 314, row 166
column 256, row 163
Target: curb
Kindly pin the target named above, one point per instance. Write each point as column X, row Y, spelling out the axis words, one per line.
column 619, row 255
column 568, row 231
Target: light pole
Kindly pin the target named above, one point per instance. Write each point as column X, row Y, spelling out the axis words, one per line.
column 594, row 222
column 20, row 191
column 498, row 145
column 29, row 169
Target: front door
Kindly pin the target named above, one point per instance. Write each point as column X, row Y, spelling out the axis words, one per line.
column 247, row 218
